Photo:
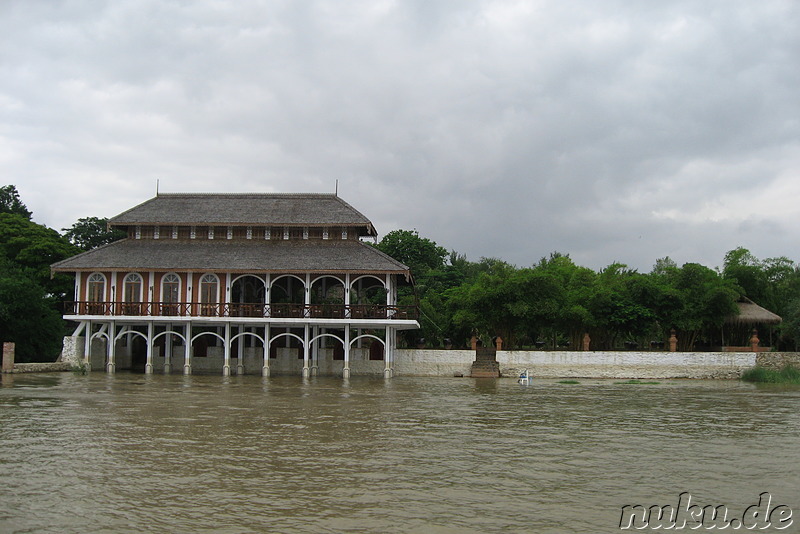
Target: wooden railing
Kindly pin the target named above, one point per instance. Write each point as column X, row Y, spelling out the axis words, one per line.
column 277, row 310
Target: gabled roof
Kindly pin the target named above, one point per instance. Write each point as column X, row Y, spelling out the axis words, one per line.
column 752, row 313
column 254, row 256
column 244, row 209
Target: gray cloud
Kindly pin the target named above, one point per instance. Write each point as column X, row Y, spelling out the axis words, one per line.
column 610, row 131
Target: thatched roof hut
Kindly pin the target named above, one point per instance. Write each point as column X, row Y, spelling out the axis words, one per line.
column 751, row 313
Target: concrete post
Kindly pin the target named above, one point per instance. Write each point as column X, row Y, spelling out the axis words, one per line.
column 8, row 356
column 587, row 341
column 473, row 342
column 498, row 343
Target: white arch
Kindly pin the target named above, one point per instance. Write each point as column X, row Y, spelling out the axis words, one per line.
column 302, row 280
column 194, row 338
column 366, row 335
column 289, row 334
column 340, row 280
column 242, row 334
column 334, row 336
column 261, row 279
column 382, row 281
column 165, row 332
column 124, row 332
column 98, row 335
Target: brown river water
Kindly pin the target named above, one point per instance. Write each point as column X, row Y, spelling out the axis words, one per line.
column 137, row 453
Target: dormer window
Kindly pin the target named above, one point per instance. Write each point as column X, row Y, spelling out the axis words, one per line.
column 267, row 233
column 138, row 232
column 174, row 232
column 344, row 233
column 305, row 232
column 249, row 232
column 156, row 232
column 193, row 232
column 325, row 234
column 285, row 233
column 211, row 232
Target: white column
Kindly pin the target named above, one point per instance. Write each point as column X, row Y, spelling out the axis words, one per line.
column 168, row 350
column 148, row 367
column 187, row 350
column 265, row 368
column 111, row 349
column 347, row 295
column 346, row 369
column 240, row 352
column 387, row 353
column 315, row 353
column 305, row 351
column 87, row 347
column 226, row 366
column 227, row 300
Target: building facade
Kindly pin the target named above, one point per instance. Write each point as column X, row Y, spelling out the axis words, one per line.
column 245, row 283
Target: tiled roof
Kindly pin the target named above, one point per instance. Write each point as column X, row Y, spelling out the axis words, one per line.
column 234, row 256
column 243, row 210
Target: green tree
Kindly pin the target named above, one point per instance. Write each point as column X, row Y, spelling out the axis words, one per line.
column 28, row 316
column 92, row 232
column 418, row 253
column 11, row 203
column 33, row 248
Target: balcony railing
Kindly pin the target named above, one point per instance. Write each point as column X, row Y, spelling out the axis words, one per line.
column 278, row 310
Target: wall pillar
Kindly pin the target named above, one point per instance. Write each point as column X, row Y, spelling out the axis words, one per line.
column 315, row 353
column 9, row 349
column 387, row 354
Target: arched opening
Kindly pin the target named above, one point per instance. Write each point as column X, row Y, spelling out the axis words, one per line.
column 96, row 293
column 132, row 294
column 327, row 297
column 368, row 296
column 247, row 296
column 287, row 297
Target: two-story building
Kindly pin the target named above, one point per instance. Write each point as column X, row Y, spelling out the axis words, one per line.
column 246, row 282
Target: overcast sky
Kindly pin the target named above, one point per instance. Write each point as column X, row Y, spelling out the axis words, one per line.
column 608, row 130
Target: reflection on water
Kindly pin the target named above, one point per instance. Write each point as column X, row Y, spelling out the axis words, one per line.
column 178, row 453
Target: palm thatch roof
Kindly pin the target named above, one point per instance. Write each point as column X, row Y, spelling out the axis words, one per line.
column 751, row 313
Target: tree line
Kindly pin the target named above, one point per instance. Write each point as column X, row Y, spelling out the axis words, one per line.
column 552, row 303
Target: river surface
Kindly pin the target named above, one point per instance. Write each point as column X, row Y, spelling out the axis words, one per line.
column 137, row 453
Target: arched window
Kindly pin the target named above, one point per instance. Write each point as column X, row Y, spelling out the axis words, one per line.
column 170, row 294
column 209, row 294
column 96, row 293
column 132, row 294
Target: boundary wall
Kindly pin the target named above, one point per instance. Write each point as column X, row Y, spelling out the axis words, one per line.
column 576, row 364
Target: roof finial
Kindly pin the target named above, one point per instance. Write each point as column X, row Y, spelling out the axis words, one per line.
column 157, row 186
column 336, row 190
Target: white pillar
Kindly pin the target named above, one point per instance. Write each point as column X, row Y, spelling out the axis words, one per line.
column 168, row 350
column 305, row 351
column 388, row 352
column 87, row 347
column 315, row 353
column 111, row 349
column 148, row 367
column 265, row 367
column 346, row 369
column 187, row 351
column 240, row 351
column 226, row 366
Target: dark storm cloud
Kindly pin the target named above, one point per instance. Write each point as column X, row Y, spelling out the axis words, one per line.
column 612, row 131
